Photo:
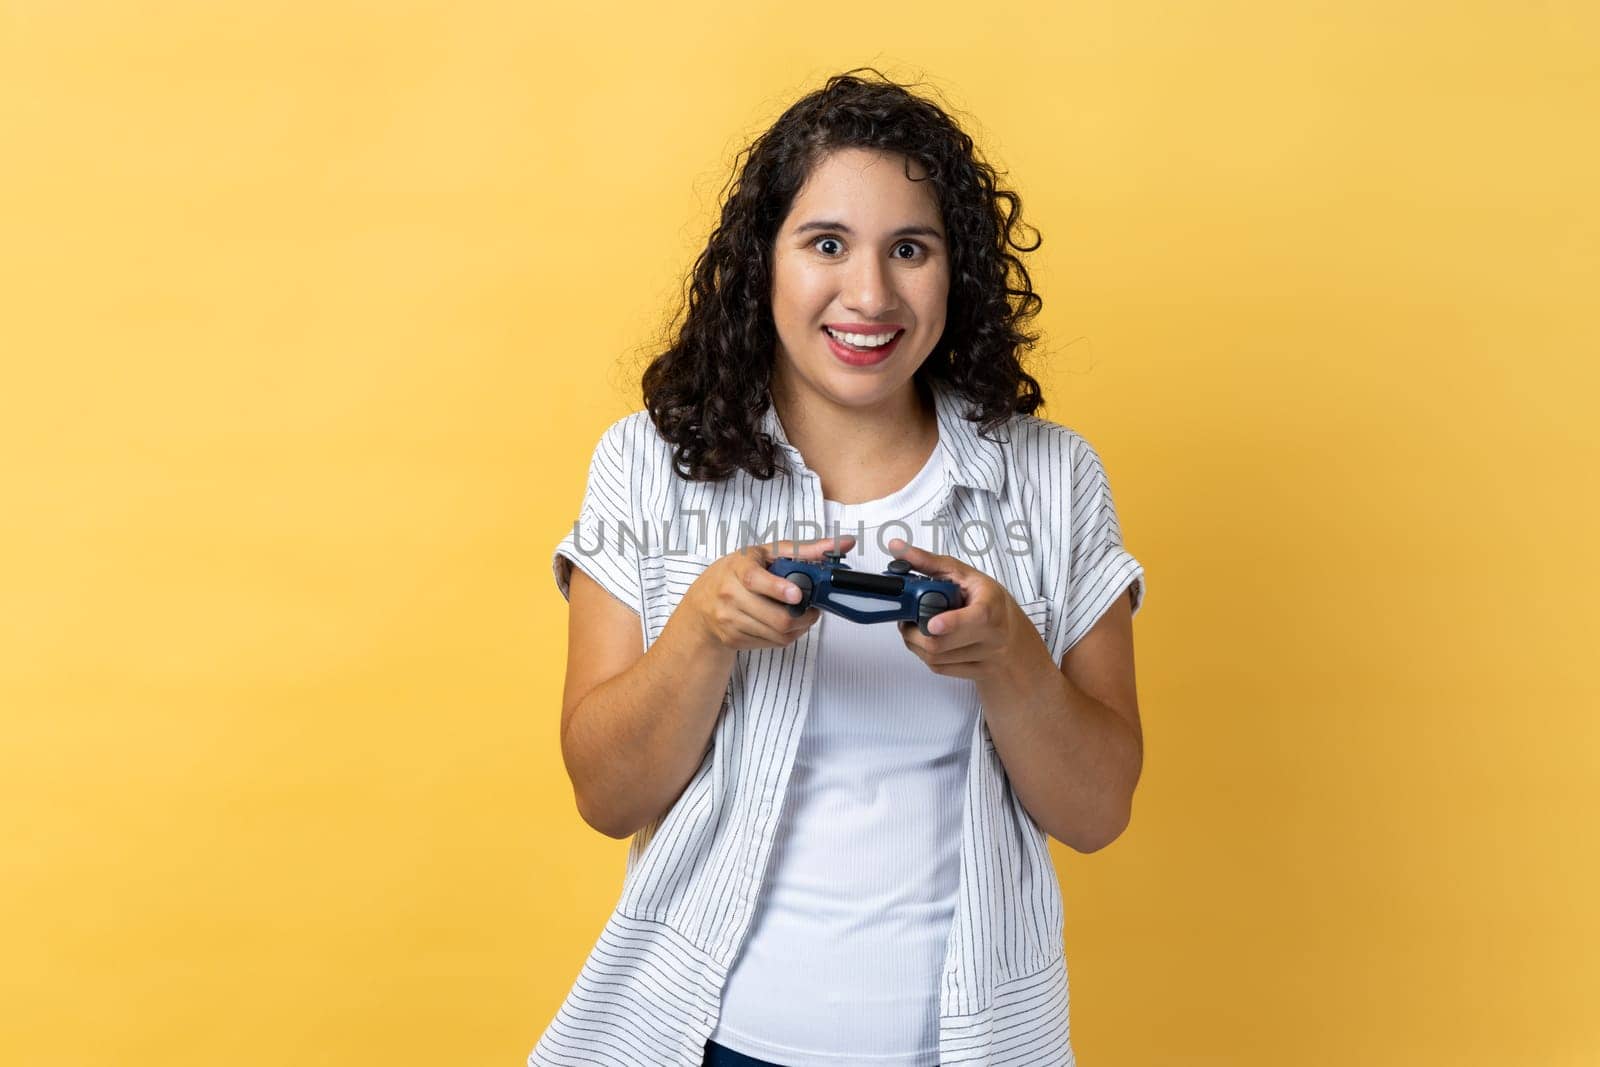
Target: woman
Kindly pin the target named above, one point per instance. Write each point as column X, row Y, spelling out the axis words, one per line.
column 839, row 828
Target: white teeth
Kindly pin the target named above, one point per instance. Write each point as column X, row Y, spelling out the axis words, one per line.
column 862, row 340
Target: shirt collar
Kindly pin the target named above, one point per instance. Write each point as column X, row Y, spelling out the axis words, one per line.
column 970, row 459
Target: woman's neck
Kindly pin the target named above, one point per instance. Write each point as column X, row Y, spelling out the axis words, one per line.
column 860, row 453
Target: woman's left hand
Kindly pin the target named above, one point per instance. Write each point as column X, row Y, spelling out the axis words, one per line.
column 982, row 637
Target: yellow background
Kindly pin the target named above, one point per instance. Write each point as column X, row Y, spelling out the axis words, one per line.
column 312, row 314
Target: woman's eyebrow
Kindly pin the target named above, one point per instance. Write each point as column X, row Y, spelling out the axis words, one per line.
column 904, row 231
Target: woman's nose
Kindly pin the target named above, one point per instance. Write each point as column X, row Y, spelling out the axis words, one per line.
column 870, row 291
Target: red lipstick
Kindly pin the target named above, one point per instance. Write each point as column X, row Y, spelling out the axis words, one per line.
column 861, row 357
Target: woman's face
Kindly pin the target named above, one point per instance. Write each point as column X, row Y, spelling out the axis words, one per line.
column 863, row 246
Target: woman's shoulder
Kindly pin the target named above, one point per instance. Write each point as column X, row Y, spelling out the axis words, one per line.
column 1057, row 467
column 634, row 438
column 1036, row 445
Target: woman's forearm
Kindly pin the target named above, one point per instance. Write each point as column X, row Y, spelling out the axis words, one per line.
column 634, row 740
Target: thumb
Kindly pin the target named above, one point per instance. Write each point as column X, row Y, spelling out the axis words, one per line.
column 813, row 550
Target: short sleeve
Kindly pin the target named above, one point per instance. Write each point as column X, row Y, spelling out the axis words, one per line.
column 1099, row 568
column 603, row 542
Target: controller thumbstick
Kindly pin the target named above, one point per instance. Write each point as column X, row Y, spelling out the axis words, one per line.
column 900, row 566
column 833, row 557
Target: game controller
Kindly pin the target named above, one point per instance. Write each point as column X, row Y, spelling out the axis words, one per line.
column 906, row 595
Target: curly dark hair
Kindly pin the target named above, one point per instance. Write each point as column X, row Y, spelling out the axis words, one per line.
column 708, row 391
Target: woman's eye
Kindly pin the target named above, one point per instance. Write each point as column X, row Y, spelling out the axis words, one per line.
column 821, row 244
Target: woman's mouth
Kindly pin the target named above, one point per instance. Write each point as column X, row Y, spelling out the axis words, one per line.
column 861, row 355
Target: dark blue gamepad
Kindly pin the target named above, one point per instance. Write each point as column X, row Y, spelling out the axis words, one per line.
column 906, row 595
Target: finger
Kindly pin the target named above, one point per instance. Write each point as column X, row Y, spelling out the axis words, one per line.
column 935, row 654
column 939, row 644
column 773, row 614
column 805, row 620
column 957, row 627
column 973, row 669
column 912, row 636
column 956, row 657
column 748, row 621
column 813, row 550
column 780, row 628
column 930, row 563
column 754, row 576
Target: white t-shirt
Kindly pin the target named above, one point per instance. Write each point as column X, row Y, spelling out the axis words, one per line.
column 843, row 959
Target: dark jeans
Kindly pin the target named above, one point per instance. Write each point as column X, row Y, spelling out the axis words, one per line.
column 720, row 1056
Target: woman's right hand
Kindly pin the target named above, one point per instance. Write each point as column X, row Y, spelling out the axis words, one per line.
column 738, row 604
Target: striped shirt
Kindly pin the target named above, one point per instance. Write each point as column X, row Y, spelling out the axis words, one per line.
column 1032, row 510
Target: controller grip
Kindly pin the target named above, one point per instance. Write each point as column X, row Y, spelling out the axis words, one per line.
column 800, row 607
column 929, row 605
